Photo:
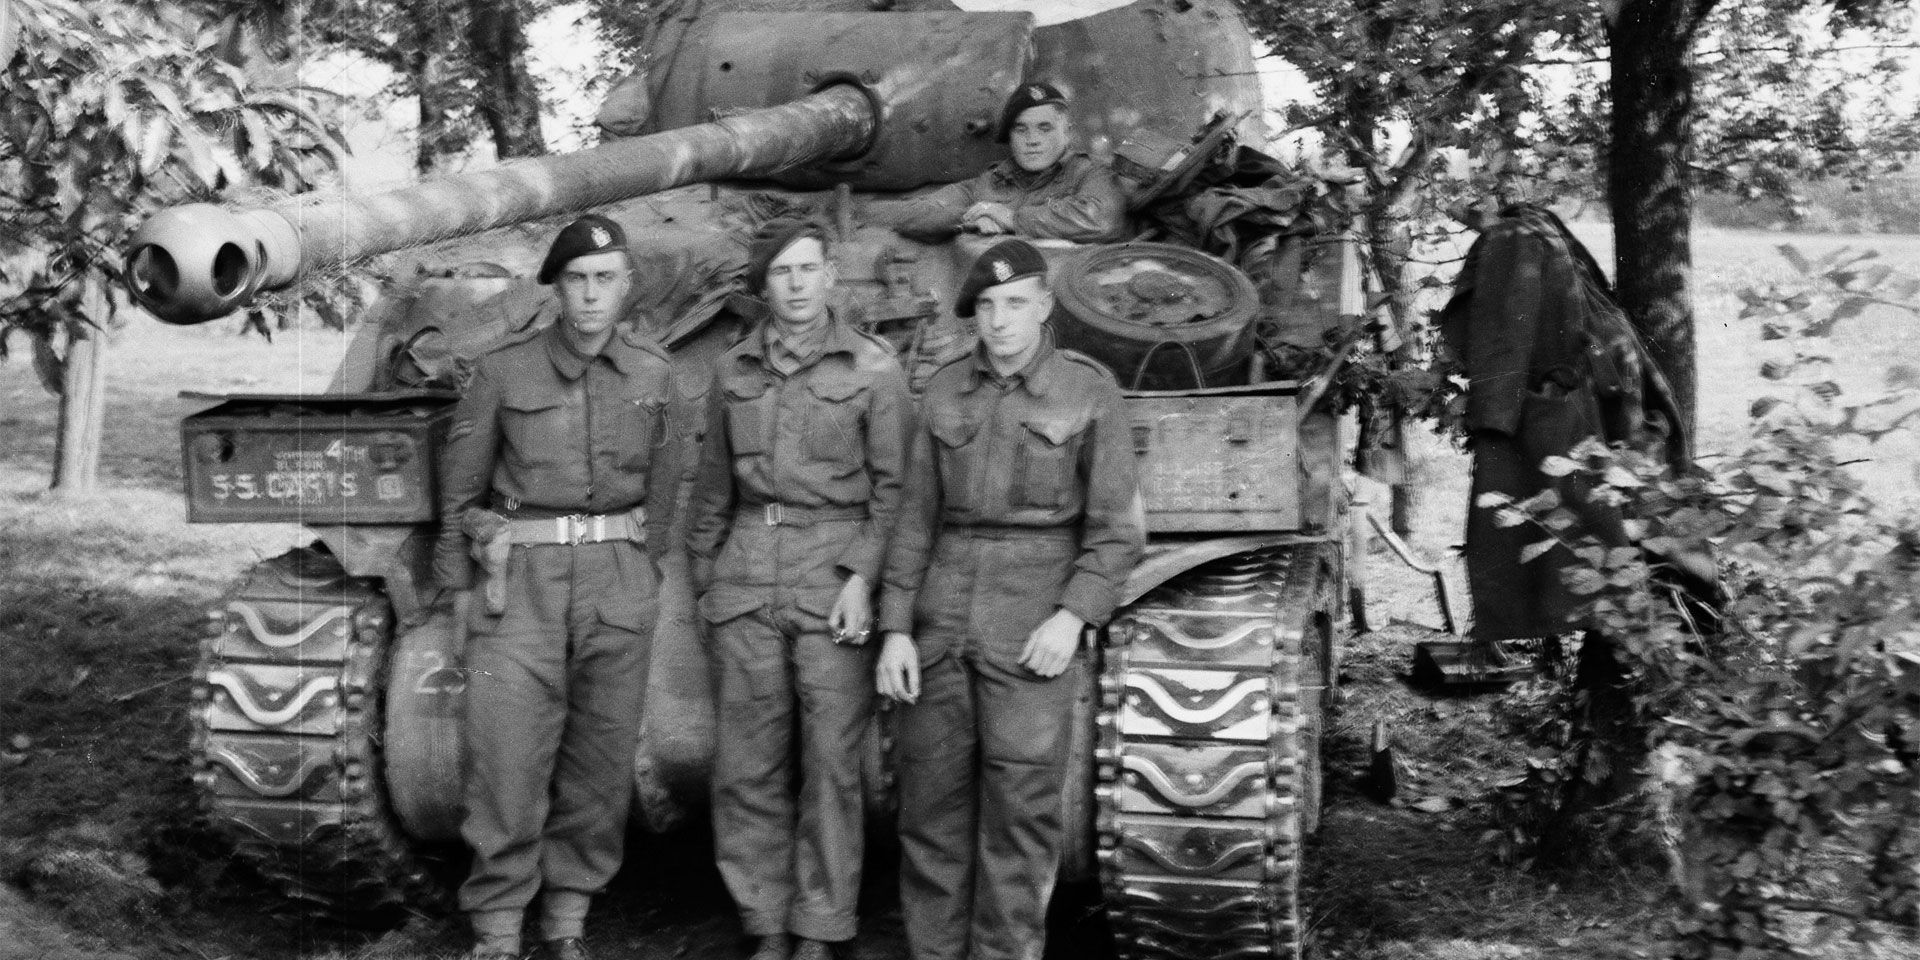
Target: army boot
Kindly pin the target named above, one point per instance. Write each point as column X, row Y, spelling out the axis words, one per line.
column 774, row 947
column 813, row 950
column 496, row 947
column 565, row 948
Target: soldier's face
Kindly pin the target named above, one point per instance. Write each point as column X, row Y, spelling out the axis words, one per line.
column 1039, row 137
column 593, row 290
column 798, row 281
column 1011, row 318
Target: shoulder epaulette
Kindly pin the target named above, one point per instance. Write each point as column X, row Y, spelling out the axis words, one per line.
column 641, row 340
column 872, row 352
column 877, row 340
column 516, row 337
column 950, row 361
column 1082, row 359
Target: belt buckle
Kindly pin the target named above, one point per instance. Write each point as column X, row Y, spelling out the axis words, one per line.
column 776, row 514
column 574, row 528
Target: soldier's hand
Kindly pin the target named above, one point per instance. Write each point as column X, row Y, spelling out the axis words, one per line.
column 1050, row 647
column 988, row 218
column 897, row 676
column 852, row 616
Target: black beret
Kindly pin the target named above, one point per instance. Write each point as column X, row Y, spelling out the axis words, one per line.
column 771, row 240
column 1004, row 262
column 1029, row 95
column 592, row 233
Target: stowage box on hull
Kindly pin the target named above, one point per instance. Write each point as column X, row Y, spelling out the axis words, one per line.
column 1219, row 461
column 321, row 460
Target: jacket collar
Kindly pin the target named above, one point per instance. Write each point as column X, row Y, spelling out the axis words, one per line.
column 840, row 338
column 1008, row 172
column 629, row 343
column 1035, row 378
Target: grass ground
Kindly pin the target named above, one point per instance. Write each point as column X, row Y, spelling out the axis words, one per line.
column 101, row 603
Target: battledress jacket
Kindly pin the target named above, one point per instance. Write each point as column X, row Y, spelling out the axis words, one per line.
column 1551, row 359
column 543, row 430
column 1076, row 199
column 833, row 435
column 1048, row 448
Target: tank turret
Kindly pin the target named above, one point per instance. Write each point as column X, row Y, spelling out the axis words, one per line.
column 326, row 734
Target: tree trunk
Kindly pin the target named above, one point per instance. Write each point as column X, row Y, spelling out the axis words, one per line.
column 436, row 137
column 1649, row 185
column 508, row 97
column 1606, row 767
column 83, row 407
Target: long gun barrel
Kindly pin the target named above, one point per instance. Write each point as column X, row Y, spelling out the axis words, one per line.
column 194, row 263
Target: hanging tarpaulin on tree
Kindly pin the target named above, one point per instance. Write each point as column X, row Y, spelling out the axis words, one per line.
column 1552, row 362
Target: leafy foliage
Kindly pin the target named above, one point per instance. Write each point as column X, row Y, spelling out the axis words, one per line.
column 1506, row 101
column 465, row 61
column 108, row 111
column 1782, row 751
column 1790, row 91
column 1457, row 78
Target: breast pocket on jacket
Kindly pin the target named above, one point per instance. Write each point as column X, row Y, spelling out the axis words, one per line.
column 535, row 427
column 643, row 430
column 1044, row 462
column 835, row 430
column 953, row 434
column 749, row 418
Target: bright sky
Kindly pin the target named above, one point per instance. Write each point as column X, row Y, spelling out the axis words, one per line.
column 563, row 55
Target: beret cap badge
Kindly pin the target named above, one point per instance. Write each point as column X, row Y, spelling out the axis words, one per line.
column 1026, row 97
column 1004, row 262
column 589, row 234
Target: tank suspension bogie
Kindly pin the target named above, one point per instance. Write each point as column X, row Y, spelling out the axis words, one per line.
column 1207, row 763
column 287, row 733
column 198, row 262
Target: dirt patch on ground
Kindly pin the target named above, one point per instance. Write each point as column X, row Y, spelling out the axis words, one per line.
column 30, row 932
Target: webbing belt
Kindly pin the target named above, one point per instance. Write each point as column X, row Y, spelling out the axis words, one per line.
column 578, row 528
column 787, row 515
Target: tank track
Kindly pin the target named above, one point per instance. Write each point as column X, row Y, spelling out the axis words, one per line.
column 1211, row 706
column 286, row 733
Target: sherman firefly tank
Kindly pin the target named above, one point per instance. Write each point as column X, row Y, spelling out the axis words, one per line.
column 327, row 698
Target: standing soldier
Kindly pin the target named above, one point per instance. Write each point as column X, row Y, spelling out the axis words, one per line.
column 1021, row 524
column 798, row 487
column 559, row 481
column 1041, row 191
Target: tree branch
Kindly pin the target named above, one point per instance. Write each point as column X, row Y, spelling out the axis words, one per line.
column 1814, row 906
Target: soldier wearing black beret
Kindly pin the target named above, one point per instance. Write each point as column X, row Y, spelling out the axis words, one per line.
column 1021, row 524
column 1044, row 190
column 591, row 234
column 558, row 482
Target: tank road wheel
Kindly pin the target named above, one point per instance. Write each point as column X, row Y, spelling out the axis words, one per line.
column 1208, row 761
column 286, row 733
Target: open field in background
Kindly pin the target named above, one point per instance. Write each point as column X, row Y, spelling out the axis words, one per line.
column 102, row 600
column 1731, row 350
column 1730, row 355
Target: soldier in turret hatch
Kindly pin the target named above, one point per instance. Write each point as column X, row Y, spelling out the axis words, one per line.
column 1043, row 191
column 559, row 478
